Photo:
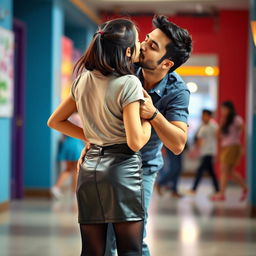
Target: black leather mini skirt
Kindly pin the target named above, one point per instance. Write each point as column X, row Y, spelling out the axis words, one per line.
column 110, row 188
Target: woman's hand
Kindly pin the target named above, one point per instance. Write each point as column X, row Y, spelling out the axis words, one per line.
column 82, row 155
column 147, row 109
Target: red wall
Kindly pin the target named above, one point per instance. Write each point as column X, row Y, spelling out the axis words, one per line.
column 226, row 36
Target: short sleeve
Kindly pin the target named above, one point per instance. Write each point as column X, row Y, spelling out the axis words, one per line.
column 238, row 121
column 177, row 109
column 132, row 91
column 200, row 133
column 73, row 87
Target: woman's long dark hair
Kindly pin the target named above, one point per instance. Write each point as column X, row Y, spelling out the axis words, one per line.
column 229, row 118
column 107, row 50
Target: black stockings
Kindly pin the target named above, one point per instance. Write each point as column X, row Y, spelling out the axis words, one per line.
column 129, row 237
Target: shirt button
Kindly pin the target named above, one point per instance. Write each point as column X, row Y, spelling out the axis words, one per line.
column 158, row 91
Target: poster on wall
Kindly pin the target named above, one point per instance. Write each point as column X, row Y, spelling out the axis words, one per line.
column 6, row 72
column 66, row 67
column 70, row 55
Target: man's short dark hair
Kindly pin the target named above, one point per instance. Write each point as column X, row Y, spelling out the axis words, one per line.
column 180, row 47
column 207, row 111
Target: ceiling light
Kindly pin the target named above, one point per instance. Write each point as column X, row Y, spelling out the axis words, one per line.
column 209, row 71
column 193, row 87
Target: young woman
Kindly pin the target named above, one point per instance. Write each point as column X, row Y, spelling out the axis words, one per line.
column 107, row 97
column 231, row 128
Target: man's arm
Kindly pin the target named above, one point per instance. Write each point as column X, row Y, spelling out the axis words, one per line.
column 172, row 133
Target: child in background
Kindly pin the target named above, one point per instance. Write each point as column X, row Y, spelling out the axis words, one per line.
column 69, row 153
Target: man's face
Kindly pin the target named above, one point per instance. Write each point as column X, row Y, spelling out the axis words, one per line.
column 206, row 118
column 152, row 49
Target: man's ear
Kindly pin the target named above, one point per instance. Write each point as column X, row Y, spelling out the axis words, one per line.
column 128, row 52
column 167, row 64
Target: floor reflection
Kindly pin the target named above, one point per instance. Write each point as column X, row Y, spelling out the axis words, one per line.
column 191, row 226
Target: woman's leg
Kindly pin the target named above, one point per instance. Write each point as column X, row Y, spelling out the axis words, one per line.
column 93, row 239
column 74, row 178
column 199, row 173
column 55, row 190
column 212, row 174
column 226, row 171
column 129, row 236
column 70, row 166
column 236, row 176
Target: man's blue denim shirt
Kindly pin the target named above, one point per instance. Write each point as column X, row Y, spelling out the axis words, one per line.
column 171, row 97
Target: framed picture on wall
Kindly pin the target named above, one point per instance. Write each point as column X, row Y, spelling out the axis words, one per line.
column 6, row 72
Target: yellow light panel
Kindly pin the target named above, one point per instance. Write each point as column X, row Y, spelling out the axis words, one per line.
column 198, row 71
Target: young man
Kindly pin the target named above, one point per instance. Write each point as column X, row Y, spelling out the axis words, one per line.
column 166, row 100
column 207, row 143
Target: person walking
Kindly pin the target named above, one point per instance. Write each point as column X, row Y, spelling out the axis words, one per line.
column 207, row 143
column 231, row 127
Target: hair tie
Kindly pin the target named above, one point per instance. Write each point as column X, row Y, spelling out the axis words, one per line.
column 101, row 32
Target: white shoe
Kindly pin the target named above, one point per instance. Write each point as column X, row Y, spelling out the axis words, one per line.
column 56, row 192
column 74, row 197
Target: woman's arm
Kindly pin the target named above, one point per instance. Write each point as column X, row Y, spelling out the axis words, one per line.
column 137, row 131
column 59, row 120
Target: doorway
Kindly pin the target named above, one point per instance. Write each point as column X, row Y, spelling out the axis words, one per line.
column 18, row 113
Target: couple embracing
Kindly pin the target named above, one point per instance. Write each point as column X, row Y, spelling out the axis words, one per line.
column 130, row 102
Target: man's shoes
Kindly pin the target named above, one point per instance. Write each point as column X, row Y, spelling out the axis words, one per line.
column 191, row 192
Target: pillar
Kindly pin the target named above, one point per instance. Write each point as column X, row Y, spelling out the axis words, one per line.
column 251, row 127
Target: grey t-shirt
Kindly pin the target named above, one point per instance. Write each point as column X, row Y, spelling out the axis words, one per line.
column 100, row 101
column 207, row 132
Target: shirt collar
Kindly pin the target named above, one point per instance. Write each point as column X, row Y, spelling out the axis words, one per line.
column 159, row 88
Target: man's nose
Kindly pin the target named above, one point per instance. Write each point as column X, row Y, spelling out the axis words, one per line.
column 143, row 46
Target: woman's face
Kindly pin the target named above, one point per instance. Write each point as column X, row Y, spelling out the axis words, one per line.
column 224, row 111
column 136, row 53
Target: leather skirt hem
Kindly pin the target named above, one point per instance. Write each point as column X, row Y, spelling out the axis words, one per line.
column 91, row 221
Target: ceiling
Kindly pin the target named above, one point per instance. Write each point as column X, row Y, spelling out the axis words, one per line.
column 165, row 6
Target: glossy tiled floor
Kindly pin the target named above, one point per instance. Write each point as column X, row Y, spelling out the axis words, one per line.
column 191, row 226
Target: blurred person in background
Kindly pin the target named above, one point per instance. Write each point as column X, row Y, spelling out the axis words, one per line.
column 169, row 175
column 68, row 153
column 231, row 127
column 107, row 97
column 166, row 103
column 206, row 145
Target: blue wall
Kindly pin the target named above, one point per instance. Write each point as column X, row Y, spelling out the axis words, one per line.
column 44, row 22
column 5, row 124
column 45, row 26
